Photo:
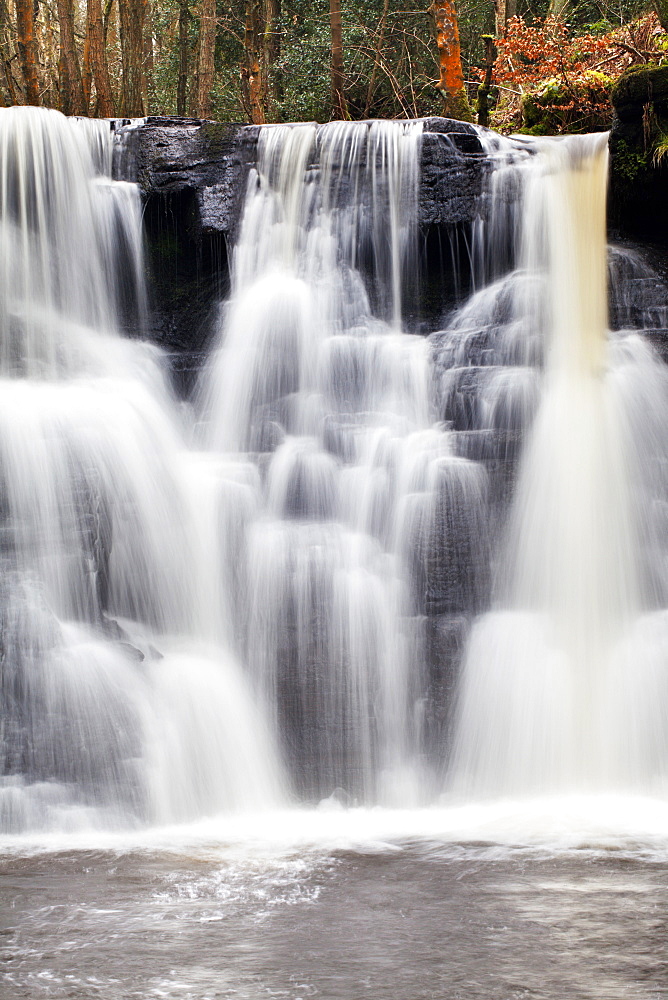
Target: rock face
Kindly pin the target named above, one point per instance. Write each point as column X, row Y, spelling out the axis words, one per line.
column 638, row 189
column 193, row 177
column 172, row 156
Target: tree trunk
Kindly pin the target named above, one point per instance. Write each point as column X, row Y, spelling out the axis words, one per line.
column 148, row 67
column 272, row 53
column 87, row 72
column 6, row 54
column 132, row 56
column 254, row 71
column 339, row 109
column 74, row 101
column 483, row 89
column 182, row 84
column 205, row 57
column 98, row 58
column 451, row 80
column 503, row 11
column 25, row 26
column 108, row 7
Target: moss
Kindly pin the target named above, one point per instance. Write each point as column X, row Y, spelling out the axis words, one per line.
column 630, row 166
column 637, row 86
column 542, row 128
column 457, row 106
column 218, row 133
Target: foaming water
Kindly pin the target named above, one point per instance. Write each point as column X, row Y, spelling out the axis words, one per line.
column 550, row 696
column 315, row 383
column 392, row 568
column 117, row 707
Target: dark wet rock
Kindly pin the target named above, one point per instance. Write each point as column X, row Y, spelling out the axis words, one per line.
column 169, row 156
column 193, row 177
column 172, row 156
column 638, row 194
column 445, row 639
column 453, row 169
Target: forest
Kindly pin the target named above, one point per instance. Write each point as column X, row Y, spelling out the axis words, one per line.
column 515, row 65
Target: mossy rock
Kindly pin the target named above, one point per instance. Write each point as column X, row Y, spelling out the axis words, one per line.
column 637, row 87
column 219, row 134
column 638, row 195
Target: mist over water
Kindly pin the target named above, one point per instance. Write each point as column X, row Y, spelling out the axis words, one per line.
column 363, row 566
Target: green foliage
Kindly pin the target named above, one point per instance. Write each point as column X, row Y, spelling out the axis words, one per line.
column 303, row 65
column 630, row 165
column 660, row 154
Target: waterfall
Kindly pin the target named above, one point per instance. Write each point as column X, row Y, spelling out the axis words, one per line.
column 119, row 702
column 314, row 383
column 552, row 697
column 360, row 558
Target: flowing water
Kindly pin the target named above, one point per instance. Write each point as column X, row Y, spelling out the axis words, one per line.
column 348, row 677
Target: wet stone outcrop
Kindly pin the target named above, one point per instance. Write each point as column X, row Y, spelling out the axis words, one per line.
column 193, row 176
column 638, row 194
column 171, row 156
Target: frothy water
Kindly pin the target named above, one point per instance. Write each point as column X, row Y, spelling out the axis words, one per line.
column 392, row 570
column 552, row 696
column 119, row 707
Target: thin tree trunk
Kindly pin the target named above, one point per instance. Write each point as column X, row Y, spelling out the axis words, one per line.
column 339, row 109
column 132, row 56
column 483, row 89
column 253, row 71
column 74, row 101
column 6, row 54
column 503, row 11
column 182, row 84
column 27, row 44
column 108, row 7
column 148, row 67
column 87, row 72
column 272, row 53
column 451, row 79
column 205, row 57
column 98, row 58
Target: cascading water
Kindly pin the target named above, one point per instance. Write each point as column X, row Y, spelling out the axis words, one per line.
column 283, row 608
column 318, row 388
column 558, row 692
column 116, row 706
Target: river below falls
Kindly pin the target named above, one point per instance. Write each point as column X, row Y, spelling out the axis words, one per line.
column 373, row 910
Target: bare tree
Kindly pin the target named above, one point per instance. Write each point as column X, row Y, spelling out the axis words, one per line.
column 73, row 98
column 339, row 109
column 98, row 58
column 205, row 59
column 27, row 44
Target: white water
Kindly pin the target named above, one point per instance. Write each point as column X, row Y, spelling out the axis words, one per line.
column 564, row 684
column 323, row 392
column 191, row 633
column 120, row 704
